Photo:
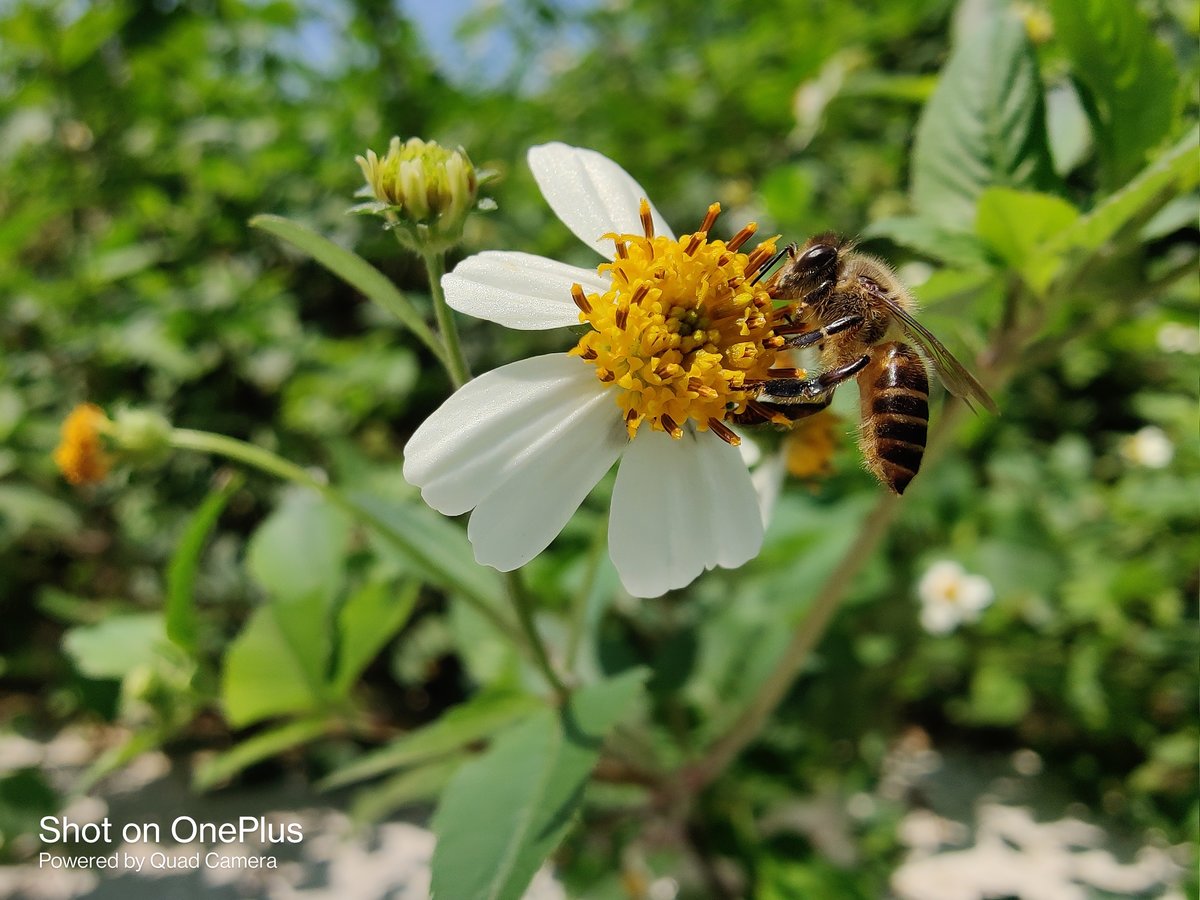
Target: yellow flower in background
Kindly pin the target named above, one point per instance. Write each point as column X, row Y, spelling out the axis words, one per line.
column 810, row 445
column 80, row 455
column 137, row 436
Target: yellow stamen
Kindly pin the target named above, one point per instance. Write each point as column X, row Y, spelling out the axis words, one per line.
column 80, row 454
column 742, row 236
column 646, row 217
column 681, row 333
column 580, row 299
column 724, row 432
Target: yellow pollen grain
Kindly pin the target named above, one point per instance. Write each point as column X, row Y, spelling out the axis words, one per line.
column 681, row 335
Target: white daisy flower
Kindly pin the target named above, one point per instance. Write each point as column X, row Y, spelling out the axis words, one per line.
column 679, row 338
column 949, row 597
column 1148, row 447
column 1175, row 337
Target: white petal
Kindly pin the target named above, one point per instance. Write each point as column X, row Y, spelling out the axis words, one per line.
column 678, row 508
column 591, row 194
column 519, row 290
column 519, row 519
column 939, row 618
column 475, row 440
column 975, row 595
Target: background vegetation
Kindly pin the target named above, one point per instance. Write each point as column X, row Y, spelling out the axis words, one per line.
column 1041, row 194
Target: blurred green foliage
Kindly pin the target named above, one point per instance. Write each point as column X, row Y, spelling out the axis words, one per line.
column 1052, row 179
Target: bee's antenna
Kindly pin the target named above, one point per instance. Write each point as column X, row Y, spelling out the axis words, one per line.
column 789, row 250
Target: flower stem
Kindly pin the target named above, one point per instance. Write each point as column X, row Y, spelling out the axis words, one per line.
column 808, row 634
column 579, row 612
column 456, row 363
column 273, row 464
column 524, row 605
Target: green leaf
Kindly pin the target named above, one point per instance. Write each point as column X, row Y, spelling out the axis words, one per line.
column 1167, row 177
column 477, row 719
column 300, row 549
column 116, row 646
column 367, row 621
column 24, row 509
column 355, row 271
column 438, row 550
column 25, row 797
column 1067, row 128
column 984, row 126
column 1130, row 77
column 181, row 619
column 504, row 812
column 263, row 745
column 998, row 697
column 276, row 664
column 87, row 34
column 932, row 239
column 418, row 785
column 1017, row 226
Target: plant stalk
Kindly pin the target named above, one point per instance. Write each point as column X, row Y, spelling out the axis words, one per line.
column 456, row 363
column 524, row 605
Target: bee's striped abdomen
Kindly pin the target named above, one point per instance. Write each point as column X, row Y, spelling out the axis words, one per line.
column 894, row 392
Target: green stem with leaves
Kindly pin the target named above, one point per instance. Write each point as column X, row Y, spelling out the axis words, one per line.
column 273, row 464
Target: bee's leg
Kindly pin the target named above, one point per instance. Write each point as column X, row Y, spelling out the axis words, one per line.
column 759, row 411
column 816, row 336
column 789, row 251
column 803, row 391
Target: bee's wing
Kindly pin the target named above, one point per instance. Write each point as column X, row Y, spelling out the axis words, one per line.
column 954, row 376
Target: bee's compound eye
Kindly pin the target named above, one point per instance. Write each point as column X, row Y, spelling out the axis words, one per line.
column 820, row 257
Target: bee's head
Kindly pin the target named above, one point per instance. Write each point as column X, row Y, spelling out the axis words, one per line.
column 811, row 266
column 817, row 260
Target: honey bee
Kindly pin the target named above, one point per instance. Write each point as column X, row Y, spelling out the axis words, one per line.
column 859, row 316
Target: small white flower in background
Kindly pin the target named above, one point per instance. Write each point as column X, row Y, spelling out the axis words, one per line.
column 678, row 336
column 949, row 597
column 1175, row 337
column 1149, row 447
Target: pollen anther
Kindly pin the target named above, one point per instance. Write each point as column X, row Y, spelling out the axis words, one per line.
column 580, row 299
column 742, row 236
column 646, row 217
column 724, row 432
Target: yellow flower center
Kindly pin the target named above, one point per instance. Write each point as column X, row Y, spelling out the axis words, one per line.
column 683, row 332
column 80, row 455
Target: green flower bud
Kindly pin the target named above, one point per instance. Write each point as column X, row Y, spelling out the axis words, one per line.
column 424, row 190
column 142, row 437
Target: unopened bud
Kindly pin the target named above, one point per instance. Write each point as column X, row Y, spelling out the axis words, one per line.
column 424, row 190
column 141, row 436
